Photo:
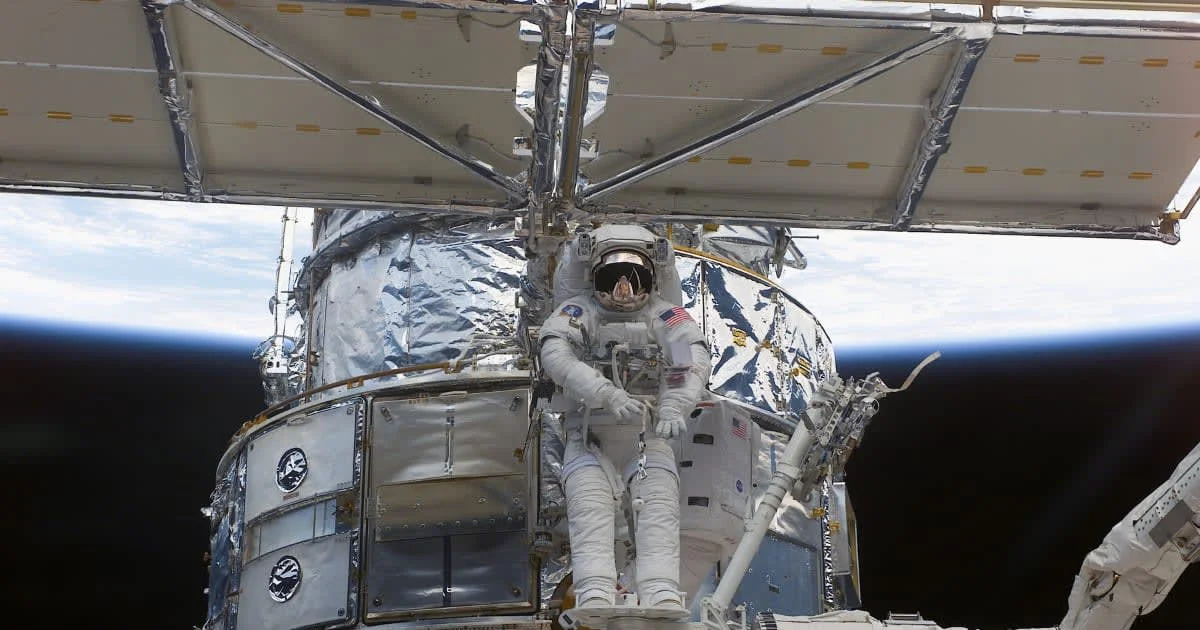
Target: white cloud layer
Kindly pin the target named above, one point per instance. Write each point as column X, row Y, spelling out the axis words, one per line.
column 872, row 288
column 136, row 264
column 210, row 270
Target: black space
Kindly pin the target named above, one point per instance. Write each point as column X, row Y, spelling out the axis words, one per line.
column 978, row 492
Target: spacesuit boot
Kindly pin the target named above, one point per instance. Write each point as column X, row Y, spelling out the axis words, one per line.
column 655, row 500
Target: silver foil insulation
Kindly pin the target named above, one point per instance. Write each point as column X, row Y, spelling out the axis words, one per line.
column 390, row 290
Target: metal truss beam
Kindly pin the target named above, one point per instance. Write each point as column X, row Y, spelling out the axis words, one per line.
column 579, row 73
column 854, row 13
column 551, row 63
column 1118, row 232
column 935, row 140
column 1121, row 20
column 174, row 92
column 519, row 7
column 365, row 102
column 764, row 116
column 1095, row 19
column 154, row 193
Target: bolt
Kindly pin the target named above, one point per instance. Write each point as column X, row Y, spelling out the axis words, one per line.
column 341, row 612
column 378, row 601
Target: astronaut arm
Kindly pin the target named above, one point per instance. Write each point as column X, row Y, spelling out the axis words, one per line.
column 1142, row 557
column 574, row 376
column 688, row 374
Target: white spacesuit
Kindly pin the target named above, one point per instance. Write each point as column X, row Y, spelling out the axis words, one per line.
column 1142, row 557
column 632, row 367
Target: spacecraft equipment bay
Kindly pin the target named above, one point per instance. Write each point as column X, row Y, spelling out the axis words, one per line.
column 546, row 247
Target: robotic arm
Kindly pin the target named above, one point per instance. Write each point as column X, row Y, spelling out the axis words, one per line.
column 1141, row 558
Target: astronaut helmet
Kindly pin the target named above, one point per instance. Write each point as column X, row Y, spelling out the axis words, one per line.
column 622, row 271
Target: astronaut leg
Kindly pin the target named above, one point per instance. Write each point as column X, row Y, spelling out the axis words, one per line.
column 591, row 521
column 656, row 503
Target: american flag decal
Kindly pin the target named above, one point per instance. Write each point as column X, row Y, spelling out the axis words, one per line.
column 741, row 429
column 675, row 316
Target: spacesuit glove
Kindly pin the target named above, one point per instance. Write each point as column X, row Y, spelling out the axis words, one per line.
column 670, row 423
column 624, row 406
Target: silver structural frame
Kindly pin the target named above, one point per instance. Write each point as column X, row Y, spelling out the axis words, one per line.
column 765, row 115
column 581, row 29
column 173, row 89
column 365, row 102
column 935, row 140
column 554, row 180
column 551, row 63
column 518, row 7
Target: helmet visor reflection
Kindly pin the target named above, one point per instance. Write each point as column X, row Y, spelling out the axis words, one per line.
column 616, row 265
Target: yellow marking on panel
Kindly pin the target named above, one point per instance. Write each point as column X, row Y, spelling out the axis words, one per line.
column 1033, row 171
column 4, row 112
column 720, row 47
column 1027, row 58
column 358, row 12
column 711, row 227
column 741, row 160
column 1156, row 62
column 1196, row 65
column 408, row 15
column 975, row 170
column 833, row 50
column 1092, row 60
column 802, row 367
column 368, row 131
column 1140, row 175
column 308, row 128
column 858, row 165
column 739, row 337
column 800, row 163
column 246, row 124
column 835, row 527
column 694, row 160
column 59, row 115
column 120, row 118
column 770, row 48
column 1090, row 173
column 287, row 7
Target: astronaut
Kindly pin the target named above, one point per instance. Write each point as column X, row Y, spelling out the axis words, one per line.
column 1141, row 558
column 632, row 367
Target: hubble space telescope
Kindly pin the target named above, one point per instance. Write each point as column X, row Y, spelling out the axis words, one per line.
column 407, row 473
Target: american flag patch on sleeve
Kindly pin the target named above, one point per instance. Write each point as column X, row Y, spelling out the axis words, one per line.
column 740, row 429
column 675, row 316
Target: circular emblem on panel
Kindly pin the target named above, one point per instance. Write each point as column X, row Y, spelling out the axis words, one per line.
column 291, row 470
column 285, row 579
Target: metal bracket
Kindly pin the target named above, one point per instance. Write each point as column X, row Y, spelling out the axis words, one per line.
column 173, row 89
column 935, row 140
